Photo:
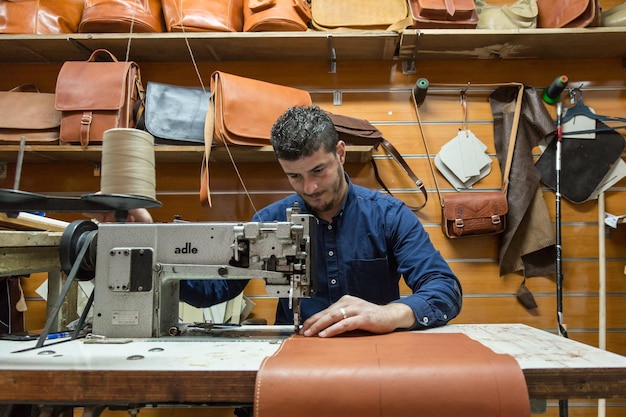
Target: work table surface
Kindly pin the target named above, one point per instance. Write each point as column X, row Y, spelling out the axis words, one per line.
column 222, row 368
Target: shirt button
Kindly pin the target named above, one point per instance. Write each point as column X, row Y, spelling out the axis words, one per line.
column 425, row 320
column 333, row 281
column 331, row 253
column 330, row 227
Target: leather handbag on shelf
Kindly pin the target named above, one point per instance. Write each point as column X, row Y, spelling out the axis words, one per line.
column 568, row 13
column 174, row 115
column 355, row 131
column 443, row 14
column 520, row 15
column 26, row 112
column 40, row 17
column 122, row 16
column 466, row 214
column 242, row 111
column 359, row 14
column 276, row 15
column 203, row 16
column 614, row 17
column 95, row 96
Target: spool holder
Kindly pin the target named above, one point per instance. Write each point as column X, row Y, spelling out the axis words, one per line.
column 14, row 201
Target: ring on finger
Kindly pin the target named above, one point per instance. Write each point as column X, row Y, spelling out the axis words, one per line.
column 343, row 312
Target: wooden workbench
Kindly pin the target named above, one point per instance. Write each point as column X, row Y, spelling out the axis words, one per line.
column 221, row 369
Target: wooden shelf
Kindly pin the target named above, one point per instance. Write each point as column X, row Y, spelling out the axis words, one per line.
column 409, row 45
column 583, row 43
column 206, row 46
column 58, row 153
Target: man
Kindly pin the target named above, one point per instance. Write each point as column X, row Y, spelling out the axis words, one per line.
column 365, row 240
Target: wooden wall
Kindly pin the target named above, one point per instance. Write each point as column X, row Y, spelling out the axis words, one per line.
column 379, row 92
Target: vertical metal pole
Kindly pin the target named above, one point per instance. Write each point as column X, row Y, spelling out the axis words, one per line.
column 563, row 405
column 601, row 288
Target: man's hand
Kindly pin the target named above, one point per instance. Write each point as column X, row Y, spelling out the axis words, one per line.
column 140, row 215
column 352, row 313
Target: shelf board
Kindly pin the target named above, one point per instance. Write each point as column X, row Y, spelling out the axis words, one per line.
column 600, row 42
column 206, row 46
column 411, row 44
column 193, row 154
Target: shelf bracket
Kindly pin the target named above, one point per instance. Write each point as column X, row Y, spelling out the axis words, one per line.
column 79, row 45
column 332, row 55
column 407, row 52
column 337, row 98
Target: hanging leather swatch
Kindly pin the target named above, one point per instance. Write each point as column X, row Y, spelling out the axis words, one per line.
column 396, row 374
column 584, row 162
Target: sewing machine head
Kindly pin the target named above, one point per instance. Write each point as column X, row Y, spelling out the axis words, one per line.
column 138, row 267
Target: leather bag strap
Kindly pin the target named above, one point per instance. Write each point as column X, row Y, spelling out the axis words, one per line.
column 391, row 150
column 512, row 136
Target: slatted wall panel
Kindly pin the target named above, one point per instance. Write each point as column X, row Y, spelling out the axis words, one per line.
column 379, row 92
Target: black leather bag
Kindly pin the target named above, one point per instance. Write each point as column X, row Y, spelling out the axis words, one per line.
column 584, row 162
column 174, row 115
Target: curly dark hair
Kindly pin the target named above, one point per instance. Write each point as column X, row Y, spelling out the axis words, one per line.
column 302, row 130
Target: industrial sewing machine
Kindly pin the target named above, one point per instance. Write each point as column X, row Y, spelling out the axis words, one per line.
column 138, row 267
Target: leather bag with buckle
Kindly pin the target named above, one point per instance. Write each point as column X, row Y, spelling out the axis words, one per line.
column 95, row 96
column 122, row 16
column 26, row 112
column 203, row 16
column 466, row 214
column 443, row 14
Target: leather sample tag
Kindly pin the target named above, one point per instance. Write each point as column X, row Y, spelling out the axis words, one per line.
column 403, row 373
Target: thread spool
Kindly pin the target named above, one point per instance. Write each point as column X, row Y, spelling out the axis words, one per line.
column 552, row 94
column 128, row 163
column 420, row 90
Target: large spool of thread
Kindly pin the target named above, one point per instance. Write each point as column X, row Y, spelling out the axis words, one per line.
column 128, row 163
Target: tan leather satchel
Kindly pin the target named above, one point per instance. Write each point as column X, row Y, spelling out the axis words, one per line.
column 443, row 14
column 25, row 112
column 359, row 14
column 568, row 13
column 276, row 15
column 203, row 15
column 40, row 17
column 96, row 96
column 122, row 16
column 242, row 111
column 246, row 109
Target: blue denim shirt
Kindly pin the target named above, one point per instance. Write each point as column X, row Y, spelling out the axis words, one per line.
column 371, row 243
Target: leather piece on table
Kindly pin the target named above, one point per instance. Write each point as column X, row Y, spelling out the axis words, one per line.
column 397, row 374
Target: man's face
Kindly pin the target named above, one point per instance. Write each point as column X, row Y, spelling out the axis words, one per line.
column 319, row 180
